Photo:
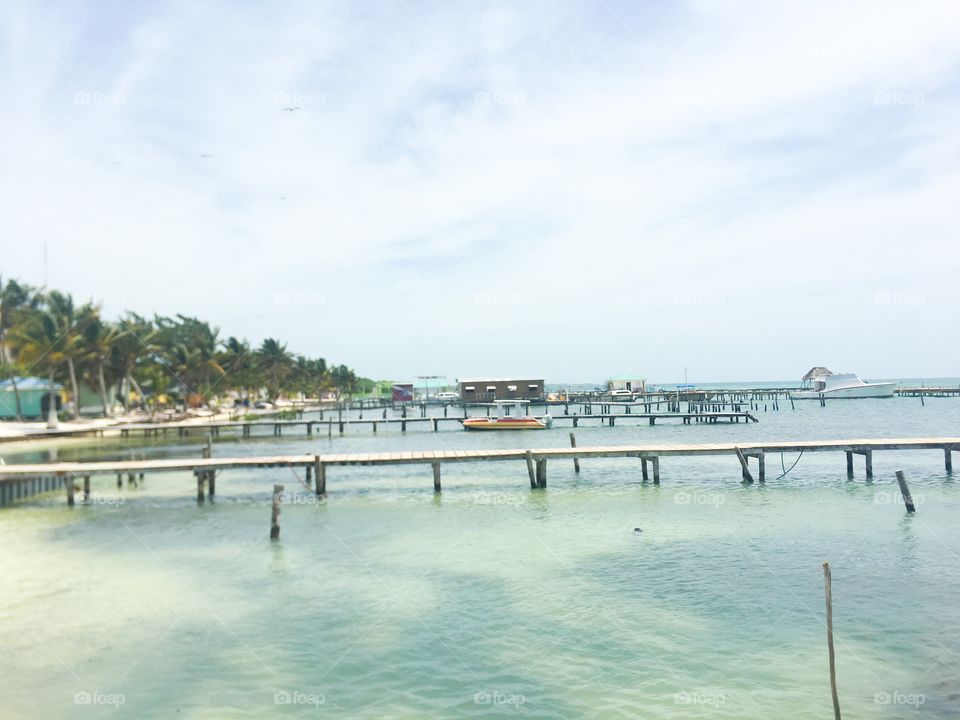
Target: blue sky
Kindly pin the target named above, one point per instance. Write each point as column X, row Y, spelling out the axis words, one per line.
column 572, row 190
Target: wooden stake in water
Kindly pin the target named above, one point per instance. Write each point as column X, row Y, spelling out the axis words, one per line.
column 828, row 592
column 275, row 512
column 576, row 461
column 905, row 491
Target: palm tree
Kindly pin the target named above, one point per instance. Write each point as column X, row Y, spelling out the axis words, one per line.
column 99, row 339
column 188, row 348
column 275, row 365
column 41, row 344
column 14, row 299
column 136, row 343
column 69, row 326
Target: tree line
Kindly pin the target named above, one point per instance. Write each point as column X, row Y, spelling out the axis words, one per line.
column 46, row 333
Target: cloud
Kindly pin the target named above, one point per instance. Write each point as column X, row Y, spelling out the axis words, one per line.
column 593, row 158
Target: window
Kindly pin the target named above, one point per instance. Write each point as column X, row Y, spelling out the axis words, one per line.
column 469, row 388
column 533, row 386
column 491, row 388
column 512, row 388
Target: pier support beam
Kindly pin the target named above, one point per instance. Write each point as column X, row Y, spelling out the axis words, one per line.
column 541, row 473
column 69, row 483
column 320, row 470
column 200, row 478
column 745, row 467
column 530, row 470
column 656, row 469
column 643, row 468
column 211, row 483
column 576, row 461
column 436, row 477
column 849, row 464
column 947, row 461
column 86, row 488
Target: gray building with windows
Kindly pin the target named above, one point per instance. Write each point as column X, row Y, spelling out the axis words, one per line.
column 490, row 389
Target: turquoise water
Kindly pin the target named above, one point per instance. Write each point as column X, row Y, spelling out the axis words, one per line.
column 493, row 600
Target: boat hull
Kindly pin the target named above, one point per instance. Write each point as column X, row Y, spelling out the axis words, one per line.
column 490, row 424
column 867, row 390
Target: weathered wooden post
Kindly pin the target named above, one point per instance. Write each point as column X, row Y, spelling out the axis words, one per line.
column 211, row 483
column 828, row 593
column 868, row 461
column 69, row 484
column 656, row 469
column 201, row 476
column 576, row 460
column 320, row 470
column 643, row 468
column 905, row 492
column 275, row 512
column 86, row 488
column 436, row 477
column 747, row 477
column 530, row 470
column 948, row 460
column 542, row 473
column 849, row 464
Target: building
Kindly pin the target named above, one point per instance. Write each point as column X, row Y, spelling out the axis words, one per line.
column 489, row 389
column 34, row 398
column 630, row 384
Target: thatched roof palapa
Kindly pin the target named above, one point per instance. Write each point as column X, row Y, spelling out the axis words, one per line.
column 814, row 372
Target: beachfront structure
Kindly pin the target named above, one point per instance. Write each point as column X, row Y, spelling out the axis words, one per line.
column 490, row 389
column 34, row 398
column 628, row 383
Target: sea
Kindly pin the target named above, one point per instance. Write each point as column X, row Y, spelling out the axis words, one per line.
column 600, row 596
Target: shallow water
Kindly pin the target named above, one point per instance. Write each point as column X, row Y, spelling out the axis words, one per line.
column 492, row 599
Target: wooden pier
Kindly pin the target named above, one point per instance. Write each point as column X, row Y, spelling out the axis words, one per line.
column 246, row 427
column 55, row 475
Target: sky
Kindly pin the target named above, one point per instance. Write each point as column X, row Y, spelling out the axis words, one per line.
column 568, row 190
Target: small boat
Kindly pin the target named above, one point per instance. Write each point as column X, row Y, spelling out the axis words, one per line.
column 507, row 420
column 821, row 382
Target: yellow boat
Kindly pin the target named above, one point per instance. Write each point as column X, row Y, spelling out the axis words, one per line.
column 507, row 421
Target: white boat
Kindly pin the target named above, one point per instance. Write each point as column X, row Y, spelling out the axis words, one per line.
column 821, row 383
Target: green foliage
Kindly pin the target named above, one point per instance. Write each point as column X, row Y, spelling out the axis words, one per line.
column 167, row 358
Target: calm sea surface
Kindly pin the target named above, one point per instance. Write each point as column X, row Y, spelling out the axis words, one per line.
column 493, row 600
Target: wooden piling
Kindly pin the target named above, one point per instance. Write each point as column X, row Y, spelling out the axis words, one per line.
column 905, row 492
column 86, row 488
column 656, row 469
column 948, row 460
column 747, row 477
column 200, row 474
column 868, row 461
column 849, row 464
column 211, row 482
column 275, row 512
column 436, row 477
column 70, row 489
column 320, row 470
column 828, row 595
column 576, row 461
column 643, row 468
column 542, row 473
column 530, row 470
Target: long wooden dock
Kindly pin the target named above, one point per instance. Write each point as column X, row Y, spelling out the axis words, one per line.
column 13, row 477
column 245, row 427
